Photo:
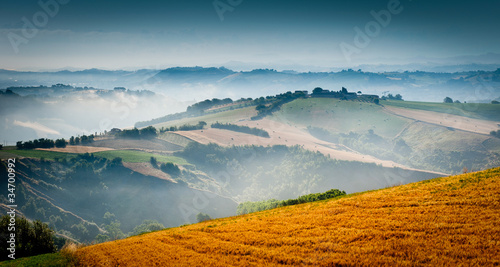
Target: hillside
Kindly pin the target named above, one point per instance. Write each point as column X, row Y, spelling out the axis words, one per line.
column 444, row 221
column 393, row 134
column 74, row 194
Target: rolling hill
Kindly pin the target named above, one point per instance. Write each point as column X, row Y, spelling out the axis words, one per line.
column 444, row 221
column 310, row 144
column 393, row 133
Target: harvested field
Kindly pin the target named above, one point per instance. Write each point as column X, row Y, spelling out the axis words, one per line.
column 282, row 134
column 449, row 221
column 446, row 120
column 145, row 168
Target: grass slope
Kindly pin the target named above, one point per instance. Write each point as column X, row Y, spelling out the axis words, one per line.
column 222, row 117
column 341, row 116
column 39, row 154
column 139, row 156
column 446, row 221
column 53, row 259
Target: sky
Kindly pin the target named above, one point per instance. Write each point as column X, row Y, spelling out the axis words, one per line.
column 124, row 34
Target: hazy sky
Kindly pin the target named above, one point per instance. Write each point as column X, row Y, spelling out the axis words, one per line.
column 155, row 34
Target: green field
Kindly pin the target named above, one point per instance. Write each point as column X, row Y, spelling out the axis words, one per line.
column 470, row 110
column 36, row 154
column 51, row 259
column 139, row 156
column 339, row 116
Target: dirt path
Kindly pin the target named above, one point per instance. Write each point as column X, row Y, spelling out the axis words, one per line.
column 446, row 120
column 283, row 134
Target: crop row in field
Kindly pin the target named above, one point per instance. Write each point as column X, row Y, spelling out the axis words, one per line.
column 470, row 110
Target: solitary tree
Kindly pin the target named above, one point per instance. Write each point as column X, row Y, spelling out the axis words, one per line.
column 448, row 100
column 153, row 162
column 201, row 217
column 317, row 90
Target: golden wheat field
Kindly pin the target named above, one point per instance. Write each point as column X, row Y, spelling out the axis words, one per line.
column 447, row 221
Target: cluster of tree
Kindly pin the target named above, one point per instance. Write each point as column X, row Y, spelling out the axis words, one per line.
column 343, row 94
column 318, row 91
column 84, row 140
column 249, row 207
column 49, row 143
column 114, row 232
column 31, row 238
column 275, row 103
column 185, row 127
column 242, row 129
column 200, row 107
column 171, row 169
column 147, row 226
column 41, row 143
column 450, row 100
column 495, row 102
column 144, row 133
column 392, row 97
column 495, row 133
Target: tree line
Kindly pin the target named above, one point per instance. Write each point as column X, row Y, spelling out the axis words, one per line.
column 60, row 143
column 392, row 97
column 200, row 107
column 185, row 127
column 266, row 106
column 41, row 143
column 242, row 129
column 84, row 140
column 144, row 133
column 249, row 207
